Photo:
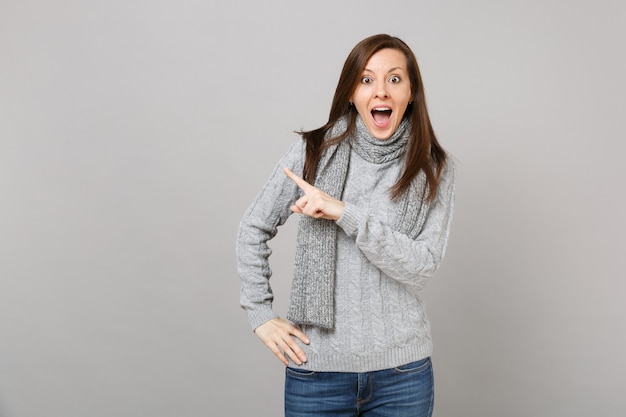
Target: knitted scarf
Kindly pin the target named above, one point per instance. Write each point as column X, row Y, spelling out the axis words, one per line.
column 312, row 290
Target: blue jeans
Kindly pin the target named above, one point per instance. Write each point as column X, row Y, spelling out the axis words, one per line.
column 405, row 391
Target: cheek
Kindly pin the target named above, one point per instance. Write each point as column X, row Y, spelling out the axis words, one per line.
column 362, row 110
column 405, row 102
column 363, row 93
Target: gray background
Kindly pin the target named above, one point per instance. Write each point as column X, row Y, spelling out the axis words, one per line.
column 134, row 133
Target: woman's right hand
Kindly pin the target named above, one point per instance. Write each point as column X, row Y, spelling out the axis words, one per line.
column 278, row 335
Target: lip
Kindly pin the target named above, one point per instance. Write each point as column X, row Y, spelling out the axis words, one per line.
column 381, row 108
column 384, row 124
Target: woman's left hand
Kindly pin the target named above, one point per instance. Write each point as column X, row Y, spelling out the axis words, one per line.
column 315, row 203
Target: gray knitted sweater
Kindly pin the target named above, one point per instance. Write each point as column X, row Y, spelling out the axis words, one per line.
column 380, row 320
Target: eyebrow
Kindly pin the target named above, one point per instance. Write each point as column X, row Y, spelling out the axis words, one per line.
column 391, row 70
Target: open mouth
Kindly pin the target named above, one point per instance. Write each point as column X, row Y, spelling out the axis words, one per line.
column 381, row 116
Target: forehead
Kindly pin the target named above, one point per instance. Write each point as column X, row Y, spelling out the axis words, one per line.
column 385, row 60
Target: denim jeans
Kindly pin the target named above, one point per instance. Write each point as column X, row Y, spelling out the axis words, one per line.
column 405, row 391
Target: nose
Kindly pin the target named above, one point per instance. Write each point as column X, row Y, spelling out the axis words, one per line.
column 381, row 90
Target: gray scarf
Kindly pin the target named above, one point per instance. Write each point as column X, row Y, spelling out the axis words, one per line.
column 312, row 290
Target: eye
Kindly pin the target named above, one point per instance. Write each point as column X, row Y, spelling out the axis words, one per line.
column 366, row 80
column 394, row 79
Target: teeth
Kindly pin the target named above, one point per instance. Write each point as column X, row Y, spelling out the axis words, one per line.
column 382, row 108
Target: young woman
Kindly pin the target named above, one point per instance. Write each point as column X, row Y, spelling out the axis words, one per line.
column 375, row 191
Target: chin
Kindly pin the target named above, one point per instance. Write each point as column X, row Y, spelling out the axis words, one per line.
column 382, row 134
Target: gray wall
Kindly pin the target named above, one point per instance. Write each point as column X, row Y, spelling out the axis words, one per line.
column 134, row 133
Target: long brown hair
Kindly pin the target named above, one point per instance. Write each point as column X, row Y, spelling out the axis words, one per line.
column 423, row 150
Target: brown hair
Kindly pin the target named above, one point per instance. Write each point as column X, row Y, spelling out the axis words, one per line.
column 423, row 150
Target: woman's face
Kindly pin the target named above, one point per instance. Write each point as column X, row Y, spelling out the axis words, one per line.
column 383, row 93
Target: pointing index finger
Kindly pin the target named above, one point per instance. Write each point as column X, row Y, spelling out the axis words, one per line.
column 304, row 186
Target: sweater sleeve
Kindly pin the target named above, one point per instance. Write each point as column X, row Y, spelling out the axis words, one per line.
column 411, row 262
column 260, row 223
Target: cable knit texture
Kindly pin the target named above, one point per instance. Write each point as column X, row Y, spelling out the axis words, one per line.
column 312, row 295
column 379, row 320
